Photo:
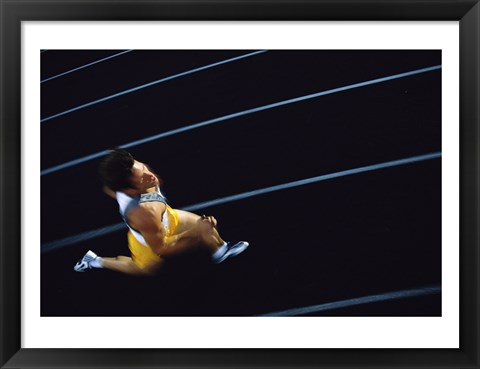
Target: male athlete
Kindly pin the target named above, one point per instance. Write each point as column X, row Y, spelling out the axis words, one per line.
column 156, row 231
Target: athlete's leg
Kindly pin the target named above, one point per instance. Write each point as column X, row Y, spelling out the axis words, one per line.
column 209, row 237
column 124, row 264
column 207, row 232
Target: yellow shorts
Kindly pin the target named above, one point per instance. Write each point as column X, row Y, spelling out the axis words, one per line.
column 143, row 255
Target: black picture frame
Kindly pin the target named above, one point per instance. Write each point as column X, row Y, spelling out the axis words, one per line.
column 467, row 12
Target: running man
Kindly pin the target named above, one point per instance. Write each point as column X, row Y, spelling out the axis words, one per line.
column 156, row 231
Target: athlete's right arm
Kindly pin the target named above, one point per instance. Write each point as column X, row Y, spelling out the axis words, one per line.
column 155, row 237
column 148, row 221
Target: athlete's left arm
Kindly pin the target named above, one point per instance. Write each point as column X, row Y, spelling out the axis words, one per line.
column 109, row 192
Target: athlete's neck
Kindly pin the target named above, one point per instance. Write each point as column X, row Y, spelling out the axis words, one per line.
column 152, row 189
column 134, row 192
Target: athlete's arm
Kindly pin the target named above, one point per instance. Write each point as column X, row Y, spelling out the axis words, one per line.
column 109, row 192
column 147, row 219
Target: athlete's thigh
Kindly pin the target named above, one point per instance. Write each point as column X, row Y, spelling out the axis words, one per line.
column 186, row 220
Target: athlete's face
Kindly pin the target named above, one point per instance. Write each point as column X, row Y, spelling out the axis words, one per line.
column 142, row 177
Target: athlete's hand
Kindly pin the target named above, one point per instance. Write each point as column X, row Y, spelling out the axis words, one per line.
column 210, row 219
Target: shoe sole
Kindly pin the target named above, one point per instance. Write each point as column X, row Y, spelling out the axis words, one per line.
column 234, row 252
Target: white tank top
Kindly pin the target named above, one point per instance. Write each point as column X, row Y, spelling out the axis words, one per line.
column 127, row 203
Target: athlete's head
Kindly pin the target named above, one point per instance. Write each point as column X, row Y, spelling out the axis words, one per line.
column 120, row 171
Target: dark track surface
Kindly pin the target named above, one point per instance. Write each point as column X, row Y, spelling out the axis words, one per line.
column 348, row 237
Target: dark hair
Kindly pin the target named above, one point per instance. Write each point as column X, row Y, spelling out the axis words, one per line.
column 116, row 169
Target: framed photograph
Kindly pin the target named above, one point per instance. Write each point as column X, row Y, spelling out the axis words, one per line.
column 297, row 184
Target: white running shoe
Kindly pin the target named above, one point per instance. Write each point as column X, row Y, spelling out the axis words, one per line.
column 233, row 249
column 84, row 264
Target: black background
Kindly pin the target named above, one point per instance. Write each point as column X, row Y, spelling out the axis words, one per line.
column 349, row 237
